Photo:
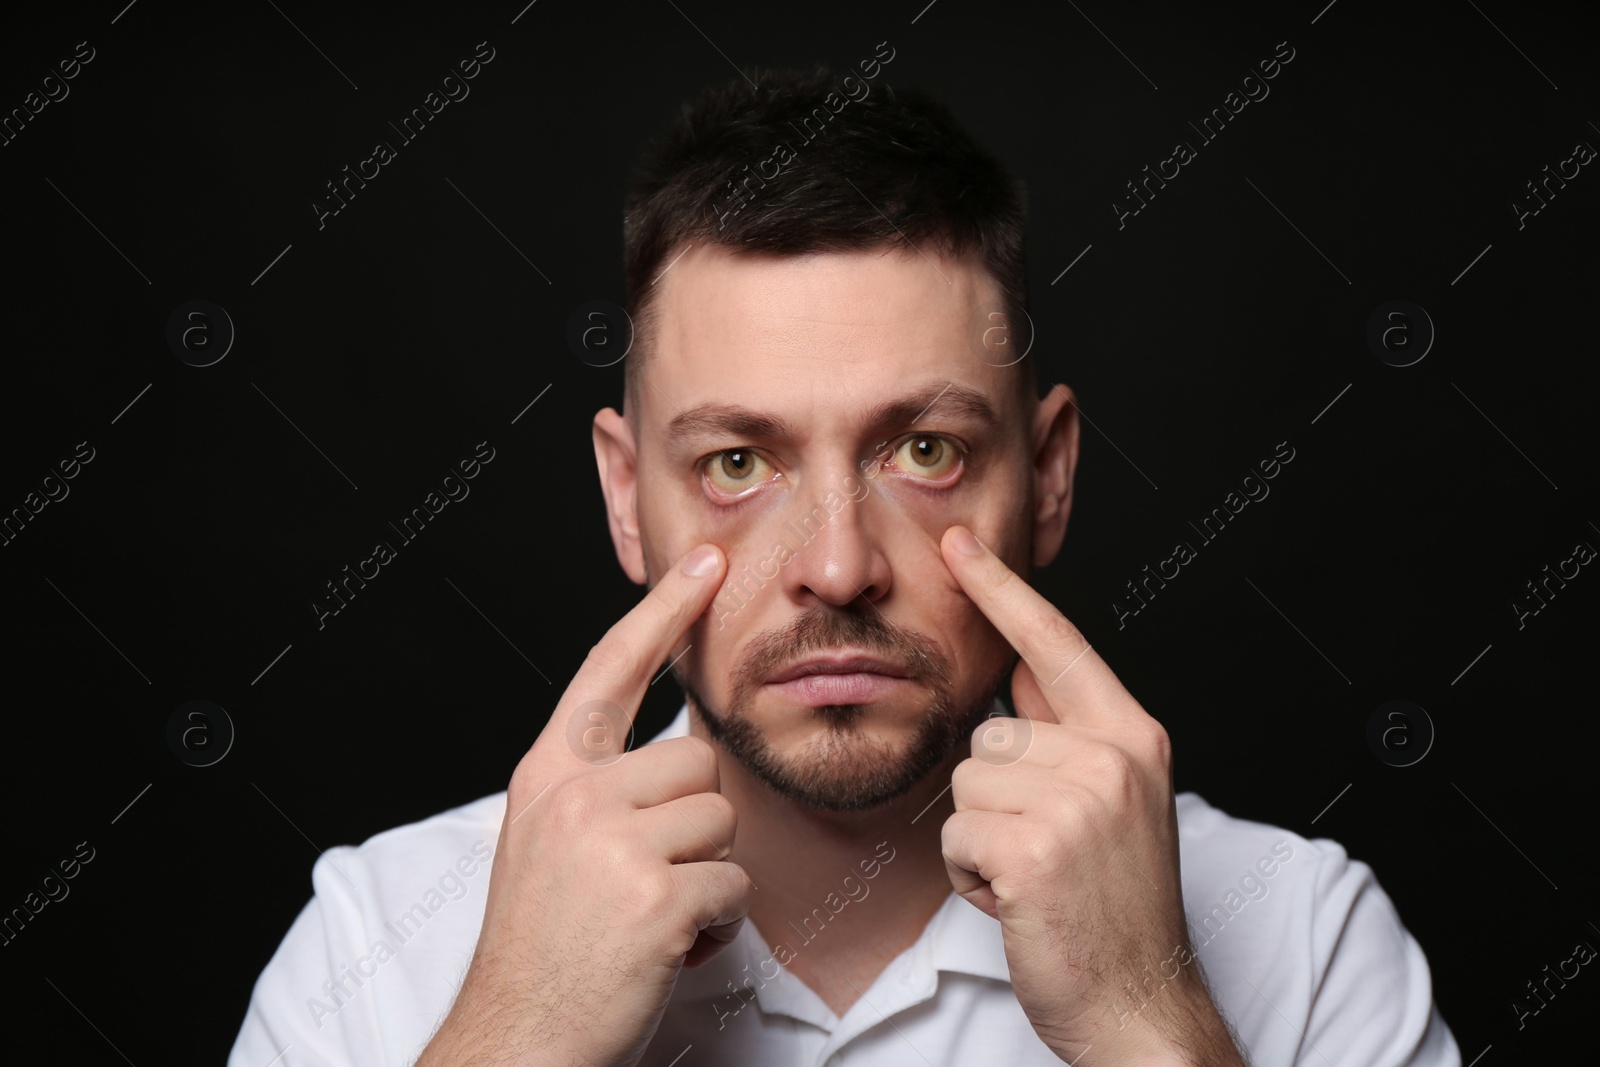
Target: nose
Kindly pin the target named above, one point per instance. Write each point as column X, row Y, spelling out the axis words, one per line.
column 839, row 555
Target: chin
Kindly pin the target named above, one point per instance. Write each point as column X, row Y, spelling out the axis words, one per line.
column 847, row 757
column 888, row 718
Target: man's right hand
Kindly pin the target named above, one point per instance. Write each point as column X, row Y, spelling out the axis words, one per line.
column 609, row 875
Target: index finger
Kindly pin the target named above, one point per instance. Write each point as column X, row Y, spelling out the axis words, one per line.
column 1074, row 679
column 614, row 675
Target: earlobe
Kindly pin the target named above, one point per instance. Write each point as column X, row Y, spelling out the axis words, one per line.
column 617, row 458
column 1055, row 463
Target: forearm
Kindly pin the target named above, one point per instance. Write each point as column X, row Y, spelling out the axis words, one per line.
column 485, row 1028
column 1185, row 1029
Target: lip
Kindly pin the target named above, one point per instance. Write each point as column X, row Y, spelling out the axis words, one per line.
column 843, row 663
column 850, row 687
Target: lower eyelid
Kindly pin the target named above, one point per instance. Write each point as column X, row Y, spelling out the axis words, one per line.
column 724, row 500
column 949, row 480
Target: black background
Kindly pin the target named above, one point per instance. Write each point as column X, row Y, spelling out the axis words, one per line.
column 1197, row 337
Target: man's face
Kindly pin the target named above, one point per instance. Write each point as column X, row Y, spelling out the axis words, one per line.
column 824, row 419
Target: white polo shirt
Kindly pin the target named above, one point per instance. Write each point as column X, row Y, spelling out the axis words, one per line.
column 1304, row 953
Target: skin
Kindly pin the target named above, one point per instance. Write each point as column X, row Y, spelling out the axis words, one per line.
column 1060, row 824
column 749, row 331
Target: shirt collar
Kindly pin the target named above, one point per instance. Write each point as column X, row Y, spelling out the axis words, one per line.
column 963, row 939
column 958, row 938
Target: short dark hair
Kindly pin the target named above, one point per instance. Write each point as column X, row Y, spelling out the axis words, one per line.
column 917, row 177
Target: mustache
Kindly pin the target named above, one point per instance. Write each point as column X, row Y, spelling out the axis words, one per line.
column 821, row 629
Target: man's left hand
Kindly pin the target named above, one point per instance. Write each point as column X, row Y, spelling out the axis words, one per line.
column 1065, row 830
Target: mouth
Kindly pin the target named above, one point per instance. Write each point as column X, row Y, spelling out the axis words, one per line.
column 843, row 678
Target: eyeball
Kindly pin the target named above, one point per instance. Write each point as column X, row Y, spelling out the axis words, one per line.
column 927, row 456
column 735, row 470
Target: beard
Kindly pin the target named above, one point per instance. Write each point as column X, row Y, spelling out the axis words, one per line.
column 842, row 769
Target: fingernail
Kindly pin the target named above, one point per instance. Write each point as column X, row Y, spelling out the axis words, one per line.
column 701, row 562
column 966, row 542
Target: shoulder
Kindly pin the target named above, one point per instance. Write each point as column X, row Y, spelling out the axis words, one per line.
column 372, row 960
column 1289, row 927
column 1275, row 878
column 410, row 850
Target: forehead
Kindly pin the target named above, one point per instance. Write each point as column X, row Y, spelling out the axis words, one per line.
column 819, row 335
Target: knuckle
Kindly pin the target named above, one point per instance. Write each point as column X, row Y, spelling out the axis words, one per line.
column 714, row 820
column 724, row 818
column 523, row 785
column 703, row 754
column 962, row 778
column 656, row 892
column 1112, row 765
column 742, row 885
column 1115, row 777
column 723, row 808
column 612, row 659
column 610, row 857
column 574, row 804
column 1159, row 744
column 1037, row 846
column 689, row 754
column 1060, row 636
column 1089, row 818
column 728, row 889
column 952, row 834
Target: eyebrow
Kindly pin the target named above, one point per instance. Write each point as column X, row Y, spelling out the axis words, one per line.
column 712, row 419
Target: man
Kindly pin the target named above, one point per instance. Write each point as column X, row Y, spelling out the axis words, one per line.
column 831, row 471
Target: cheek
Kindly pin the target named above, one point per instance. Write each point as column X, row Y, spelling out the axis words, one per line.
column 980, row 646
column 910, row 532
column 711, row 643
column 996, row 513
column 919, row 521
column 1006, row 526
column 756, row 546
column 674, row 518
column 758, row 556
column 707, row 654
column 902, row 504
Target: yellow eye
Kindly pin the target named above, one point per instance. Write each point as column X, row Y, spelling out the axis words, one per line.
column 927, row 456
column 736, row 469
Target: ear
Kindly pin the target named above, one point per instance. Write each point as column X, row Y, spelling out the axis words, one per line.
column 616, row 454
column 1055, row 462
